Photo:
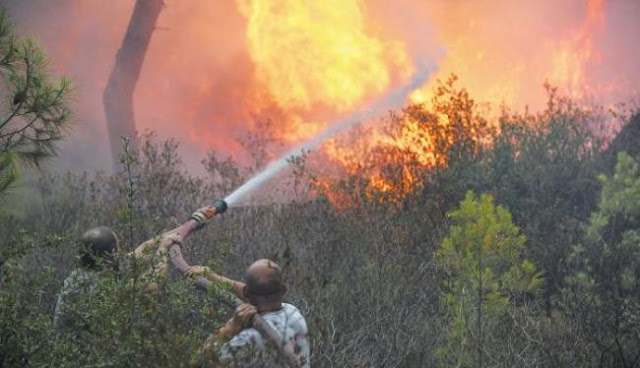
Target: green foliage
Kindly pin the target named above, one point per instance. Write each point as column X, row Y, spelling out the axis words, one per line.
column 129, row 325
column 621, row 193
column 544, row 168
column 34, row 114
column 8, row 170
column 612, row 254
column 121, row 324
column 485, row 272
column 25, row 329
column 604, row 282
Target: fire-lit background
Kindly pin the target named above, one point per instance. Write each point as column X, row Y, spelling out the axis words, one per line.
column 216, row 68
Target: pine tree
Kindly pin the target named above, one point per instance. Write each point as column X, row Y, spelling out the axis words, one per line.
column 34, row 114
column 603, row 290
column 485, row 272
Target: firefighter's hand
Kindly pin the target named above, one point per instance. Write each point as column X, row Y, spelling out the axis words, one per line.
column 242, row 316
column 197, row 271
column 203, row 214
column 241, row 319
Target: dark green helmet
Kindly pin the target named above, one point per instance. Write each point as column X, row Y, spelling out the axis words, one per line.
column 97, row 246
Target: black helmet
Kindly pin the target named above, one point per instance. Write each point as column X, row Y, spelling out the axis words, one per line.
column 97, row 245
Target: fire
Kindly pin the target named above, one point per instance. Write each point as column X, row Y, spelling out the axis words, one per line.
column 314, row 56
column 577, row 51
column 503, row 54
column 417, row 142
column 389, row 160
column 568, row 61
column 212, row 66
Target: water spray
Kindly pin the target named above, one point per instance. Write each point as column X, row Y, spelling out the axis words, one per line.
column 389, row 101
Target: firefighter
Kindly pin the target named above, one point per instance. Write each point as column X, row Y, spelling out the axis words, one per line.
column 98, row 247
column 97, row 254
column 262, row 291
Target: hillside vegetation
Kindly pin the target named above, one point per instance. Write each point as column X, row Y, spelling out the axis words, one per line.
column 522, row 249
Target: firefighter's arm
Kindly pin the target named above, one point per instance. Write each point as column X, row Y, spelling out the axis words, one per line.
column 177, row 235
column 241, row 319
column 157, row 249
column 236, row 286
column 154, row 253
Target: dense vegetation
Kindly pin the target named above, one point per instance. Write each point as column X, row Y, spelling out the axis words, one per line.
column 522, row 252
column 519, row 247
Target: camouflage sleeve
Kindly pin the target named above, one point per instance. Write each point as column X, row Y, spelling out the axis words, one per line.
column 60, row 317
column 208, row 354
column 237, row 352
column 243, row 350
column 74, row 286
column 154, row 253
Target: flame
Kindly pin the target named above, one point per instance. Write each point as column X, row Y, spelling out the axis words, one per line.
column 577, row 51
column 310, row 53
column 389, row 162
column 506, row 57
column 569, row 60
column 317, row 56
column 214, row 70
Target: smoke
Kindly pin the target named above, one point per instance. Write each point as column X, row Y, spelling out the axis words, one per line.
column 201, row 82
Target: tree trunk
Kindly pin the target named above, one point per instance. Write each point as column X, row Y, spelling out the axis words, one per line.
column 118, row 95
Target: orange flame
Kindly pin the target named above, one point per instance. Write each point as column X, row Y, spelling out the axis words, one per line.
column 569, row 60
column 577, row 51
column 212, row 66
column 317, row 56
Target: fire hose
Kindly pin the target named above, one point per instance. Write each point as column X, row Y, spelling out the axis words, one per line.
column 285, row 349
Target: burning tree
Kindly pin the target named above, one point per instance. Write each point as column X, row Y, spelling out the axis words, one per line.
column 35, row 112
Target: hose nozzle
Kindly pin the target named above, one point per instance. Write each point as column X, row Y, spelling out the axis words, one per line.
column 220, row 206
column 202, row 215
